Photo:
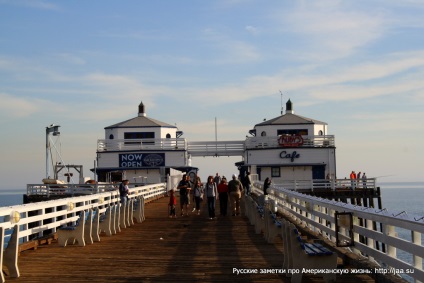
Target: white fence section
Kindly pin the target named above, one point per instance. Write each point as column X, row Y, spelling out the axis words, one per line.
column 34, row 219
column 316, row 184
column 216, row 148
column 69, row 189
column 319, row 215
column 141, row 144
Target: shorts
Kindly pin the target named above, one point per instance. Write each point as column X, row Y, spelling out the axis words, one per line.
column 183, row 199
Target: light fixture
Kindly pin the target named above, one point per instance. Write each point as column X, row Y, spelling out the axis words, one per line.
column 15, row 216
column 70, row 206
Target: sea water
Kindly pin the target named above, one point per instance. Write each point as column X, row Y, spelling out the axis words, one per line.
column 11, row 197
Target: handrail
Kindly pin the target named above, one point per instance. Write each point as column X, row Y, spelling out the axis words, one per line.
column 318, row 214
column 215, row 148
column 330, row 184
column 35, row 219
column 141, row 144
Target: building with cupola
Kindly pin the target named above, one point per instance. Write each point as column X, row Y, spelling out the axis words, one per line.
column 290, row 147
column 141, row 149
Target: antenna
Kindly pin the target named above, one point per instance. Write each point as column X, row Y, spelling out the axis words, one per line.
column 281, row 102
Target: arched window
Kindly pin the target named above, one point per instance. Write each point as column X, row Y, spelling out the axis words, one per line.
column 168, row 136
column 320, row 133
column 111, row 137
column 263, row 134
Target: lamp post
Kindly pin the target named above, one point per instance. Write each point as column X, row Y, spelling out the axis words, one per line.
column 54, row 130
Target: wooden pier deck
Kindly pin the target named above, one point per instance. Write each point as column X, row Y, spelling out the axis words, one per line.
column 187, row 249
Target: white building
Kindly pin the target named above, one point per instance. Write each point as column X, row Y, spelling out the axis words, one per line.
column 141, row 149
column 290, row 147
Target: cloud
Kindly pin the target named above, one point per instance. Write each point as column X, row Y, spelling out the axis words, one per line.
column 331, row 30
column 251, row 29
column 21, row 107
column 71, row 59
column 37, row 4
column 230, row 51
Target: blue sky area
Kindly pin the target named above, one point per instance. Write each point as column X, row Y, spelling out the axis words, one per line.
column 357, row 65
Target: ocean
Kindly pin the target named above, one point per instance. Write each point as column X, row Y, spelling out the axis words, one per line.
column 399, row 197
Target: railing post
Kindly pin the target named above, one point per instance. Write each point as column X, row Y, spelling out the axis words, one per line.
column 332, row 213
column 417, row 260
column 371, row 242
column 389, row 230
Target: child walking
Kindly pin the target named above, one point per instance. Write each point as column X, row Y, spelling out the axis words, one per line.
column 172, row 204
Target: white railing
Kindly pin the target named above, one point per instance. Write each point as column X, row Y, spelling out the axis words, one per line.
column 69, row 189
column 215, row 148
column 272, row 142
column 333, row 184
column 36, row 219
column 141, row 144
column 319, row 215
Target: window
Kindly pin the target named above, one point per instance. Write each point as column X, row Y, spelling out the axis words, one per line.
column 320, row 133
column 168, row 136
column 263, row 134
column 302, row 132
column 111, row 137
column 275, row 172
column 139, row 135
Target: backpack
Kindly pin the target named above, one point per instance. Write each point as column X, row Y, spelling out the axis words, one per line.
column 122, row 190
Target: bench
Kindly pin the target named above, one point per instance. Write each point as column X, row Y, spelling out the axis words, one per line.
column 308, row 255
column 129, row 213
column 9, row 251
column 272, row 226
column 249, row 206
column 73, row 232
column 258, row 219
column 115, row 219
column 89, row 233
column 139, row 209
column 123, row 211
column 104, row 222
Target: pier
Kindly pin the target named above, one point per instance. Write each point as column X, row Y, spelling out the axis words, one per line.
column 252, row 247
column 186, row 249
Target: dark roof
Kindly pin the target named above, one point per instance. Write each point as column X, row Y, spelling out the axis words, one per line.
column 290, row 119
column 140, row 121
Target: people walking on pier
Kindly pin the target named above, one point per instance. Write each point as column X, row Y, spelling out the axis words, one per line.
column 235, row 188
column 217, row 179
column 172, row 204
column 198, row 193
column 267, row 184
column 223, row 196
column 123, row 191
column 184, row 187
column 247, row 183
column 212, row 194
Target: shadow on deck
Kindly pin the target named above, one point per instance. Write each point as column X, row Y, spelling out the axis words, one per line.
column 187, row 249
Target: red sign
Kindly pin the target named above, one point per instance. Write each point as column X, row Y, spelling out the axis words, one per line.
column 290, row 140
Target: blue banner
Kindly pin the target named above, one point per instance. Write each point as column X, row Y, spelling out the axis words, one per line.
column 136, row 160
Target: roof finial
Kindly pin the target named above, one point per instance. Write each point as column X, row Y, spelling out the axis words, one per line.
column 141, row 110
column 289, row 107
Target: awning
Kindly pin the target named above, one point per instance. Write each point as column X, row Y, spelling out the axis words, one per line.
column 109, row 169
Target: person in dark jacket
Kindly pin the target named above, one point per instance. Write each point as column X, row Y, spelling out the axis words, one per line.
column 267, row 183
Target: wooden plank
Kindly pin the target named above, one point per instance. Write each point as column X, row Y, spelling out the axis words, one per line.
column 186, row 249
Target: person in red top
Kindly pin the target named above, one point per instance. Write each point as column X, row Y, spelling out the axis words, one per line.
column 172, row 204
column 223, row 196
column 353, row 180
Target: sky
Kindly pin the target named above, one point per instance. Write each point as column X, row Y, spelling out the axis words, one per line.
column 85, row 65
